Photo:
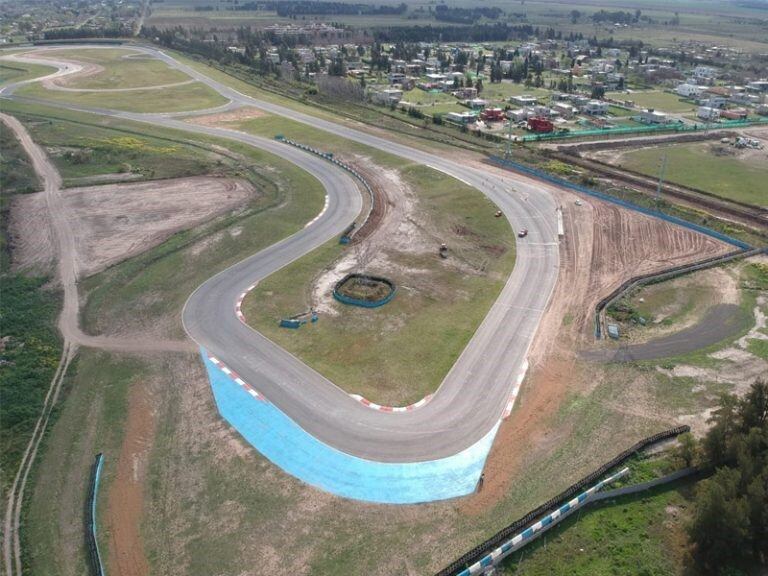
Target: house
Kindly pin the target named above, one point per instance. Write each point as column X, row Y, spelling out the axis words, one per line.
column 595, row 107
column 462, row 118
column 758, row 86
column 476, row 103
column 466, row 93
column 734, row 114
column 689, row 90
column 388, row 96
column 564, row 110
column 704, row 72
column 708, row 113
column 652, row 116
column 540, row 125
column 396, row 77
column 492, row 115
column 524, row 100
column 520, row 114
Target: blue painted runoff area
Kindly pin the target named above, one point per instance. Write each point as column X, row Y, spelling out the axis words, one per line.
column 301, row 455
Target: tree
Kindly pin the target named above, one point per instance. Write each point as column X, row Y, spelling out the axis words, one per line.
column 688, row 450
column 479, row 85
column 720, row 527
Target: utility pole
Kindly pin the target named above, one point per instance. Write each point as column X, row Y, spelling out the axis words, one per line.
column 661, row 181
column 508, row 151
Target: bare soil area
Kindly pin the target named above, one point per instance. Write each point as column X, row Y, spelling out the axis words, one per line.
column 116, row 221
column 400, row 231
column 125, row 506
column 236, row 115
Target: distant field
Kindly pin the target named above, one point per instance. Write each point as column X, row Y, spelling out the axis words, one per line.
column 195, row 96
column 655, row 99
column 16, row 71
column 741, row 178
column 122, row 69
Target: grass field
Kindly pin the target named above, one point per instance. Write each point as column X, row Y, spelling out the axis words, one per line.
column 122, row 69
column 83, row 147
column 713, row 168
column 17, row 71
column 398, row 353
column 91, row 420
column 195, row 96
column 663, row 101
column 642, row 534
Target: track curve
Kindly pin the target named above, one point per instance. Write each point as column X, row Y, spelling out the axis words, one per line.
column 473, row 396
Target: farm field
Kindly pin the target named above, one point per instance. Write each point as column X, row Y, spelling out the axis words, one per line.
column 716, row 168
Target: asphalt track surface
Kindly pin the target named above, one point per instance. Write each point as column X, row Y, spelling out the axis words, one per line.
column 472, row 397
column 720, row 322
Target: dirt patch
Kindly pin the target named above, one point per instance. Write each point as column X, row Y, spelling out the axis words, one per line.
column 125, row 503
column 237, row 115
column 116, row 221
column 400, row 229
column 30, row 235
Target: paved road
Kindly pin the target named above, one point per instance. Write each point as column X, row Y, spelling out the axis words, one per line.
column 720, row 322
column 473, row 395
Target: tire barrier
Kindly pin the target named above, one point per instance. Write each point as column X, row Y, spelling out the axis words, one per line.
column 364, row 303
column 297, row 321
column 540, row 174
column 97, row 568
column 350, row 232
column 532, row 532
column 479, row 551
column 667, row 274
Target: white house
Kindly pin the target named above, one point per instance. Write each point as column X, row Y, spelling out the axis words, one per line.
column 595, row 107
column 689, row 90
column 705, row 72
column 708, row 113
column 652, row 116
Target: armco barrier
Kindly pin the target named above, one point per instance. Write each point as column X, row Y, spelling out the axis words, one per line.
column 537, row 529
column 540, row 174
column 348, row 234
column 667, row 274
column 97, row 567
column 504, row 534
column 363, row 303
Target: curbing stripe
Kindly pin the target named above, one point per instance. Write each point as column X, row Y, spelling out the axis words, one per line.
column 391, row 409
column 234, row 376
column 515, row 390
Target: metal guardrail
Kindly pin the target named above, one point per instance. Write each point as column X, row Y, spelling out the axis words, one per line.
column 536, row 173
column 352, row 230
column 97, row 568
column 504, row 534
column 637, row 281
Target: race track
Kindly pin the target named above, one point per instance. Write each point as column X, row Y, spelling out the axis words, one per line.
column 470, row 402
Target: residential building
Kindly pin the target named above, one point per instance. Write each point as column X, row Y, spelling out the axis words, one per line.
column 595, row 107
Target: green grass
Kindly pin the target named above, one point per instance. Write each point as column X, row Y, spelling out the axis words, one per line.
column 696, row 165
column 663, row 101
column 398, row 353
column 18, row 71
column 758, row 347
column 90, row 419
column 122, row 69
column 634, row 535
column 83, row 146
column 189, row 97
column 30, row 355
